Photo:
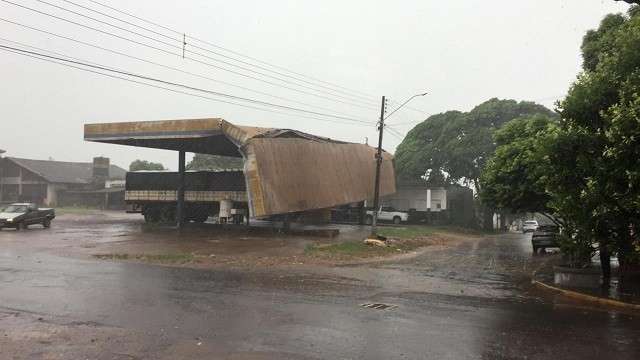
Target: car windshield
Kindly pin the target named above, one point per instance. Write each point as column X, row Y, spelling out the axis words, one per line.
column 16, row 209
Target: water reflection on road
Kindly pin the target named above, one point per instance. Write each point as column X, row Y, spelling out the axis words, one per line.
column 467, row 302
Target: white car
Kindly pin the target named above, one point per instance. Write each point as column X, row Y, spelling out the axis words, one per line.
column 529, row 226
column 387, row 213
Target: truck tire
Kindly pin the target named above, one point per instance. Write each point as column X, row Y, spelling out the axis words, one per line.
column 46, row 223
column 397, row 220
column 151, row 216
column 20, row 226
column 535, row 250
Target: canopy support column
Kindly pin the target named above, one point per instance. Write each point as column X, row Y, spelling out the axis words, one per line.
column 180, row 211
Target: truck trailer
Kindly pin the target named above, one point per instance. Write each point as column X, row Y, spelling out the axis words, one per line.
column 154, row 194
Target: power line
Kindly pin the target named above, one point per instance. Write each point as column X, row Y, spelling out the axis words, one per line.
column 192, row 59
column 213, row 52
column 409, row 123
column 227, row 49
column 158, row 64
column 394, row 133
column 174, row 90
column 182, row 48
column 148, row 78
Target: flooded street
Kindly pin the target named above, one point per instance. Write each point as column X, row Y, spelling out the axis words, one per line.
column 471, row 301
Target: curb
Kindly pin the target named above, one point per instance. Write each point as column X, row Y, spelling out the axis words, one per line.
column 587, row 298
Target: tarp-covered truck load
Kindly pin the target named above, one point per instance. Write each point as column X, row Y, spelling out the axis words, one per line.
column 154, row 193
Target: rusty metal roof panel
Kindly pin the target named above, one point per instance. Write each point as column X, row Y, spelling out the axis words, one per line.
column 297, row 174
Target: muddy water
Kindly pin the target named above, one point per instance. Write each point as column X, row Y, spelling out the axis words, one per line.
column 463, row 302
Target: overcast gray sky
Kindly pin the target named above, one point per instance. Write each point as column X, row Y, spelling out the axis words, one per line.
column 463, row 52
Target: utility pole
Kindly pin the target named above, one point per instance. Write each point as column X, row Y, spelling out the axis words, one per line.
column 376, row 190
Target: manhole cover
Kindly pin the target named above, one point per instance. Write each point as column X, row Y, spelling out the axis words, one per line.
column 378, row 306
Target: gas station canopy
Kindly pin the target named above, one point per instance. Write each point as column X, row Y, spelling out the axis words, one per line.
column 285, row 170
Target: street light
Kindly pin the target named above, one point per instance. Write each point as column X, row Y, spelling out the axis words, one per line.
column 376, row 191
column 405, row 103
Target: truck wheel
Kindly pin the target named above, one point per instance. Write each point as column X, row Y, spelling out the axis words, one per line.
column 369, row 220
column 397, row 220
column 535, row 250
column 151, row 216
column 46, row 223
column 20, row 226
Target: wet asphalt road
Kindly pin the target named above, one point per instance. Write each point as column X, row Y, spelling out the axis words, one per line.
column 469, row 302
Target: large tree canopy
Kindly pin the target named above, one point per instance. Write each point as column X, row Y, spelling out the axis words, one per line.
column 138, row 165
column 515, row 178
column 454, row 146
column 214, row 162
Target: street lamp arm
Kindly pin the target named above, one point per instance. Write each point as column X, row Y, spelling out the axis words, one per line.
column 404, row 103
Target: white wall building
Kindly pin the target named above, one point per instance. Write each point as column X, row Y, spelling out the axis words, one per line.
column 418, row 198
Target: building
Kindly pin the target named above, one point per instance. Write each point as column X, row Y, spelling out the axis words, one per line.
column 444, row 205
column 54, row 183
column 418, row 198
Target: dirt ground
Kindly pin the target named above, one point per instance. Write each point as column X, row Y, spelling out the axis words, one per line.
column 117, row 236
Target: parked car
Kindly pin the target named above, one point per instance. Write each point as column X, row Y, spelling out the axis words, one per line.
column 546, row 236
column 387, row 213
column 529, row 226
column 20, row 215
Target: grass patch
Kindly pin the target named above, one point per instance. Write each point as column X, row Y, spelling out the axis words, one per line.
column 152, row 258
column 357, row 249
column 420, row 231
column 408, row 232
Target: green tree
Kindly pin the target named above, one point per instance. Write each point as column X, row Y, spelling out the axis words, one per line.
column 454, row 146
column 595, row 154
column 515, row 178
column 215, row 162
column 137, row 165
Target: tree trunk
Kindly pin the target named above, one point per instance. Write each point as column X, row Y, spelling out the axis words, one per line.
column 605, row 260
column 487, row 218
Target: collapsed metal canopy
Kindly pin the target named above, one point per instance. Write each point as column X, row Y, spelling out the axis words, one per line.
column 285, row 170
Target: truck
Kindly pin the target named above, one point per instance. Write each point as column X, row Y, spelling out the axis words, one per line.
column 20, row 215
column 387, row 213
column 154, row 194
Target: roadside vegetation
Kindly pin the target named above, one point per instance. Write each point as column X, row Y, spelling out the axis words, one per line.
column 582, row 170
column 578, row 165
